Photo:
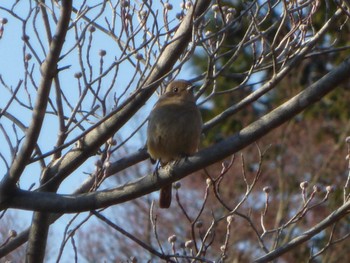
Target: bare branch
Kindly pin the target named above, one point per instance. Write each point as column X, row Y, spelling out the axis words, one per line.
column 59, row 203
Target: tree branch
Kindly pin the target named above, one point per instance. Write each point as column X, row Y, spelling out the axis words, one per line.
column 85, row 202
column 114, row 121
column 329, row 220
column 276, row 79
column 48, row 72
column 40, row 224
column 115, row 167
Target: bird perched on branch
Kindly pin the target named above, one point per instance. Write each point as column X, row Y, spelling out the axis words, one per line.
column 174, row 129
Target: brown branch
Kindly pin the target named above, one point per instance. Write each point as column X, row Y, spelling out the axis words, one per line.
column 40, row 225
column 276, row 79
column 101, row 133
column 84, row 202
column 114, row 168
column 113, row 122
column 48, row 71
column 329, row 220
column 132, row 237
column 37, row 239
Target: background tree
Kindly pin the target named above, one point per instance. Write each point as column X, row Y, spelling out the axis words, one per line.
column 72, row 129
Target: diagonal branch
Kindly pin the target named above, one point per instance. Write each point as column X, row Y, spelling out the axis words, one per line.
column 277, row 77
column 114, row 121
column 328, row 221
column 85, row 202
column 48, row 72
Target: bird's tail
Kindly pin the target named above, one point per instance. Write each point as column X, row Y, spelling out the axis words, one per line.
column 165, row 197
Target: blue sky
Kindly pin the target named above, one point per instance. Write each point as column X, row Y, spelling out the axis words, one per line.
column 12, row 70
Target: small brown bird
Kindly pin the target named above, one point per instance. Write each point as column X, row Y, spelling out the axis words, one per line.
column 174, row 129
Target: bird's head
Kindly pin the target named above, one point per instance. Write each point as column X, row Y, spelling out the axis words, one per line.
column 180, row 90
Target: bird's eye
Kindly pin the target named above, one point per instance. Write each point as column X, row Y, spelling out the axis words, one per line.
column 176, row 89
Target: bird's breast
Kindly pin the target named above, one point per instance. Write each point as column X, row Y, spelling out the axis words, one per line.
column 173, row 131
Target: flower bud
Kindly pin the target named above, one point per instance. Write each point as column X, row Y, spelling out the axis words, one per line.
column 92, row 29
column 78, row 75
column 232, row 11
column 189, row 244
column 98, row 163
column 168, row 6
column 3, row 21
column 112, row 141
column 125, row 3
column 143, row 13
column 330, row 188
column 139, row 56
column 267, row 189
column 188, row 4
column 209, row 182
column 215, row 8
column 172, row 239
column 230, row 219
column 180, row 15
column 177, row 185
column 316, row 188
column 27, row 57
column 304, row 185
column 199, row 224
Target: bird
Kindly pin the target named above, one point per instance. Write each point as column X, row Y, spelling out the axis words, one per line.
column 174, row 129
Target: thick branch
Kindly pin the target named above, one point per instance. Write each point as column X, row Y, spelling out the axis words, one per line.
column 100, row 134
column 38, row 233
column 115, row 167
column 48, row 72
column 40, row 224
column 277, row 78
column 85, row 202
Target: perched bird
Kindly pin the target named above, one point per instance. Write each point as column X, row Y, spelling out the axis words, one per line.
column 174, row 129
